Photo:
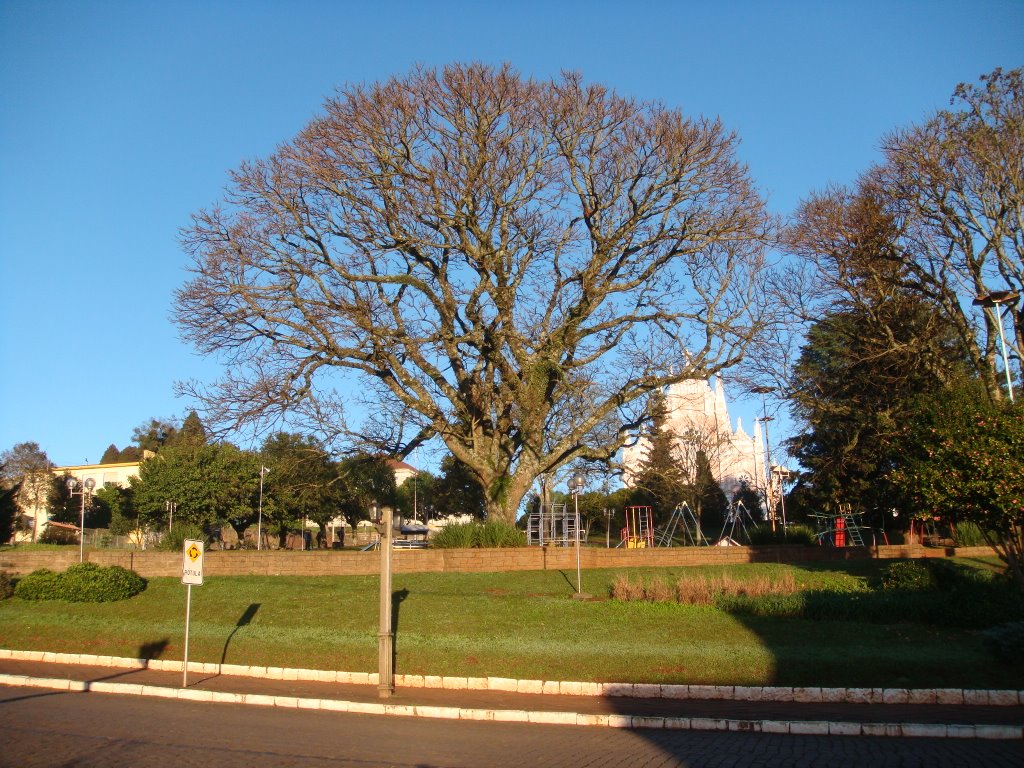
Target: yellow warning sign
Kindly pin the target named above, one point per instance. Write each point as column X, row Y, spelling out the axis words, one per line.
column 192, row 562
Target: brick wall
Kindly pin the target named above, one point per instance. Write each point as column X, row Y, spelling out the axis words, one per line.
column 354, row 563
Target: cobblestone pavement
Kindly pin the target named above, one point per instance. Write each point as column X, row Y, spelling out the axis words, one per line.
column 44, row 728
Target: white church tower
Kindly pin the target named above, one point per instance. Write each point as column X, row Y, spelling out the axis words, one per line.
column 698, row 416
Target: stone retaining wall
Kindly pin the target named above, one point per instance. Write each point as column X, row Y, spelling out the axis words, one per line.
column 354, row 563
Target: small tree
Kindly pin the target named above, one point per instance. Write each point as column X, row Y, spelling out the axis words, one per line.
column 457, row 491
column 966, row 463
column 27, row 466
column 8, row 512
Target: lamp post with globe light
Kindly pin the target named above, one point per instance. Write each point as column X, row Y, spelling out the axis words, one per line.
column 576, row 487
column 85, row 492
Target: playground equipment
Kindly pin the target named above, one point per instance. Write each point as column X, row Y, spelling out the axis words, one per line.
column 639, row 530
column 734, row 529
column 841, row 529
column 552, row 524
column 690, row 531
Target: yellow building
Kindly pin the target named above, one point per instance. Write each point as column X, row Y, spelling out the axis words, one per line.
column 35, row 517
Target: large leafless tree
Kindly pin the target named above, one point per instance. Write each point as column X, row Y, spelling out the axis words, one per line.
column 507, row 264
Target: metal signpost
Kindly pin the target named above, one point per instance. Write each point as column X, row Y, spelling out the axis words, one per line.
column 191, row 573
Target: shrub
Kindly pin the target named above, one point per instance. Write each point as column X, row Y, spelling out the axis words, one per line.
column 57, row 535
column 6, row 585
column 801, row 534
column 43, row 584
column 908, row 576
column 81, row 583
column 174, row 539
column 793, row 534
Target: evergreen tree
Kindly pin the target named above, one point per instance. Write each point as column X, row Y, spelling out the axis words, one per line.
column 661, row 481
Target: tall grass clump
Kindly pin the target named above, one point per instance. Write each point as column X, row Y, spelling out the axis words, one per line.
column 702, row 590
column 488, row 535
column 968, row 534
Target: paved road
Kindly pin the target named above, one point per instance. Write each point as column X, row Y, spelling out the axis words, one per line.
column 48, row 728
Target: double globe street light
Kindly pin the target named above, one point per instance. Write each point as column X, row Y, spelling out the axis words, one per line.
column 86, row 491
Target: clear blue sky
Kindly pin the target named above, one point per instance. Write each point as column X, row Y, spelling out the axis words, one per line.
column 119, row 119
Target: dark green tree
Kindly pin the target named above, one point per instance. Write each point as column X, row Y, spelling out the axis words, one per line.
column 154, row 434
column 111, row 456
column 192, row 430
column 457, row 492
column 209, row 484
column 8, row 512
column 365, row 479
column 854, row 387
column 115, row 505
column 303, row 483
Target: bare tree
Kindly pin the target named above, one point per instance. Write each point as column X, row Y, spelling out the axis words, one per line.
column 941, row 219
column 506, row 264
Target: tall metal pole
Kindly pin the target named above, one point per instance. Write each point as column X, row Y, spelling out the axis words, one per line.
column 765, row 418
column 188, row 620
column 81, row 531
column 259, row 518
column 1002, row 344
column 385, row 635
column 576, row 485
column 995, row 300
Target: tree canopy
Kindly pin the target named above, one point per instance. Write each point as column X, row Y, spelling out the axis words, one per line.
column 965, row 462
column 506, row 264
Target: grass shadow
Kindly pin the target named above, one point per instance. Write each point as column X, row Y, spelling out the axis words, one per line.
column 244, row 620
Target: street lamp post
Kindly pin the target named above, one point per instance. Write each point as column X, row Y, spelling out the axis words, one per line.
column 259, row 517
column 995, row 300
column 575, row 486
column 86, row 491
column 384, row 518
column 765, row 418
column 170, row 506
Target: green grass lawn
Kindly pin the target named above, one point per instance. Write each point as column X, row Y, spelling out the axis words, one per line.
column 520, row 625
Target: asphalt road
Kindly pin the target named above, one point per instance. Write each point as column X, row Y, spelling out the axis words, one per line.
column 51, row 728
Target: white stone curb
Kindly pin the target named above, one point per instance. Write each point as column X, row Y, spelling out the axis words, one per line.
column 795, row 727
column 970, row 697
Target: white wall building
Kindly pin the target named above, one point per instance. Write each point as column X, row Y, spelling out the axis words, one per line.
column 699, row 418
